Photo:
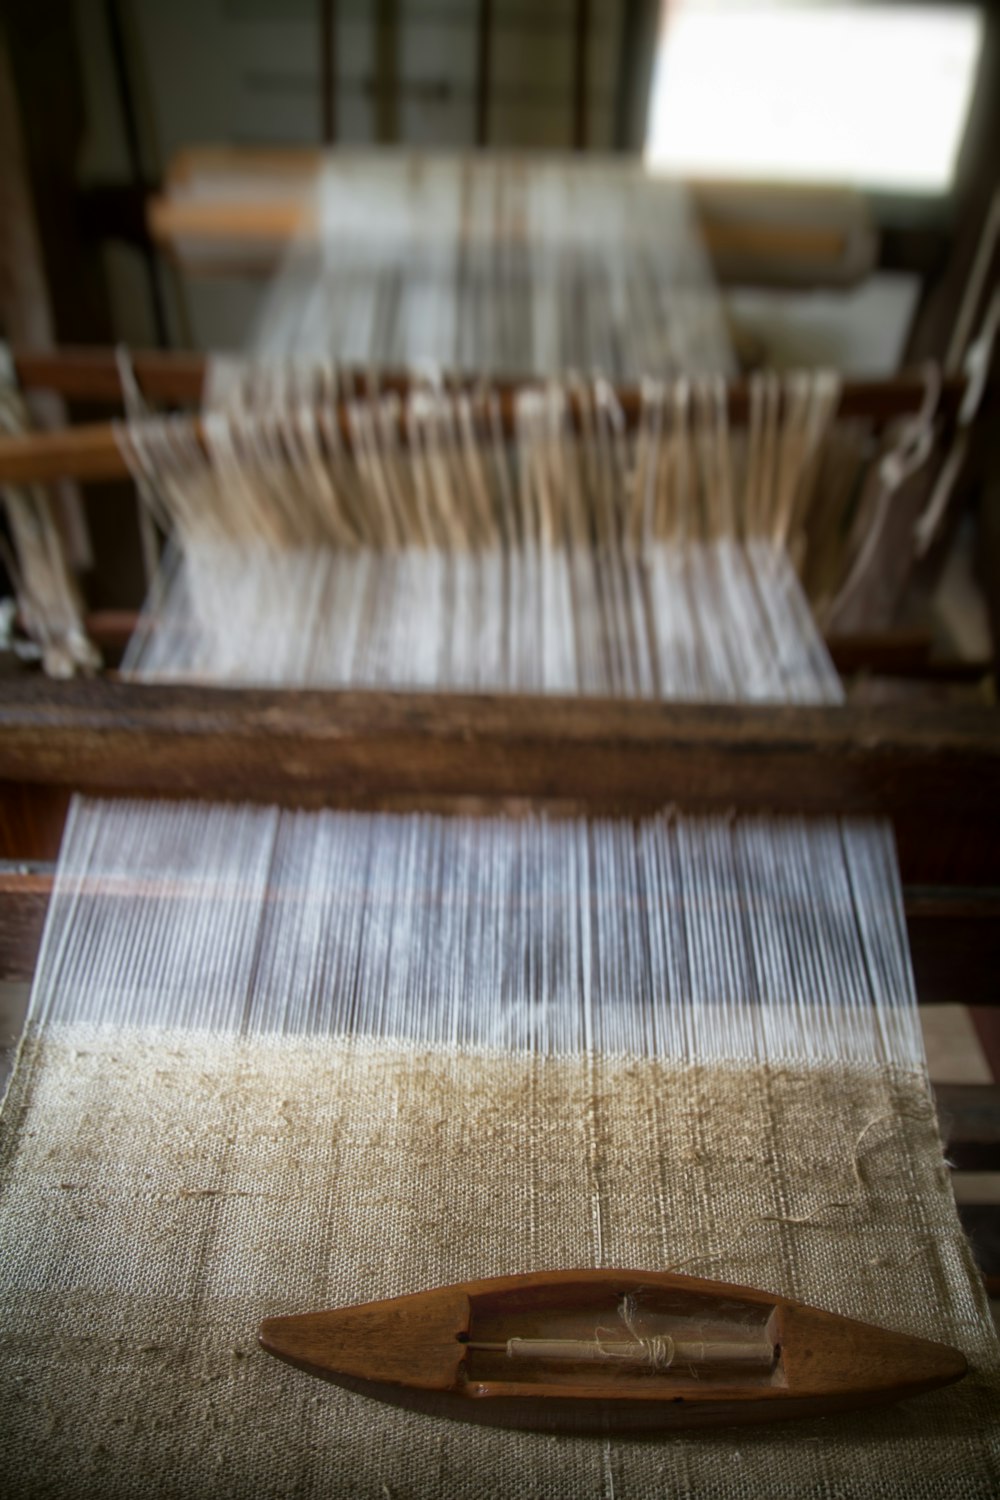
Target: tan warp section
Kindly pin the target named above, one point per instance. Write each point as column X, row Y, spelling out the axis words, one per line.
column 161, row 1192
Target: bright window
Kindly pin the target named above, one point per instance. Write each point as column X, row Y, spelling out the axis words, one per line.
column 874, row 96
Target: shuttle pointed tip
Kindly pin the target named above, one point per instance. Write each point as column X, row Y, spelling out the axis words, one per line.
column 289, row 1338
column 952, row 1365
column 271, row 1335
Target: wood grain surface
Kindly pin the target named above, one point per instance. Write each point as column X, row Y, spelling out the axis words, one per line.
column 936, row 776
column 426, row 1352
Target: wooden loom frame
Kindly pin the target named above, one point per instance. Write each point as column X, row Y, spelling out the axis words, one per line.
column 935, row 773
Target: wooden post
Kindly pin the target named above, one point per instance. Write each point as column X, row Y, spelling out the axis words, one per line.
column 386, row 82
column 484, row 40
column 581, row 40
column 328, row 70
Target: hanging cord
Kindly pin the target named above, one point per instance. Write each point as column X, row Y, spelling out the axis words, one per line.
column 48, row 600
column 910, row 452
column 649, row 444
column 978, row 362
column 809, row 404
column 150, row 513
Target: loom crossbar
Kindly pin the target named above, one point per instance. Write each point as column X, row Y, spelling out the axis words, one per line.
column 936, row 779
column 87, row 373
column 90, row 451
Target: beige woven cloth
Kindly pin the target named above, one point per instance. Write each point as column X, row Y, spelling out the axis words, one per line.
column 160, row 1193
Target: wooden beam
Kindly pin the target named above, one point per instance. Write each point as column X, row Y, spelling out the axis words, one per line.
column 955, row 944
column 936, row 778
column 484, row 52
column 84, row 453
column 129, row 119
column 902, row 654
column 328, row 70
column 386, row 85
column 638, row 24
column 981, row 1222
column 760, row 233
column 581, row 73
column 91, row 373
column 986, row 1024
column 24, row 902
column 970, row 201
column 896, row 654
column 263, row 224
column 91, row 451
column 177, row 377
column 970, row 1124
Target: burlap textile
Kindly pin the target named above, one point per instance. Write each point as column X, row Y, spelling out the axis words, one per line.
column 161, row 1192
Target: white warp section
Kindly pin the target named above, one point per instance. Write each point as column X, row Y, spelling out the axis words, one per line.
column 712, row 622
column 694, row 939
column 498, row 265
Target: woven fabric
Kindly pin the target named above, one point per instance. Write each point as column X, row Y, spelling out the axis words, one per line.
column 160, row 1193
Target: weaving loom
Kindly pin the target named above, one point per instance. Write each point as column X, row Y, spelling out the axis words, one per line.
column 600, row 1042
column 377, row 1052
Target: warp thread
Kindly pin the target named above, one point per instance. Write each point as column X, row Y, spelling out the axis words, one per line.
column 484, row 263
column 566, row 561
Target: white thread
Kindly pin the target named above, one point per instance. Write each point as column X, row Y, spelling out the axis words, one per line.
column 704, row 939
column 500, row 267
column 464, row 563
